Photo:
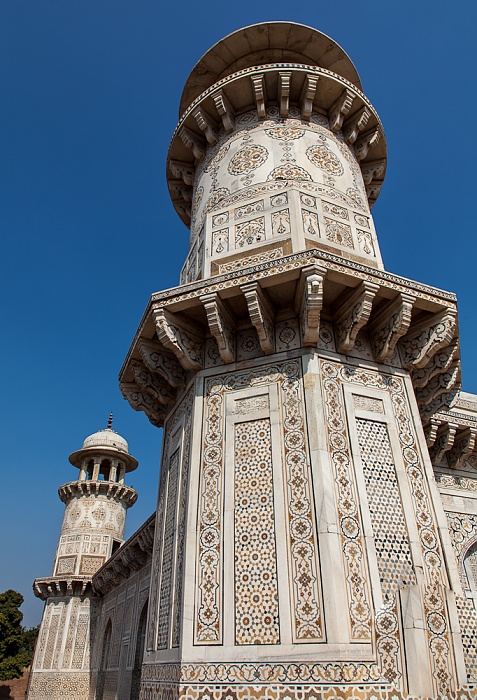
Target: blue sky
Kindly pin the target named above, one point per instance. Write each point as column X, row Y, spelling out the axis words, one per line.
column 90, row 93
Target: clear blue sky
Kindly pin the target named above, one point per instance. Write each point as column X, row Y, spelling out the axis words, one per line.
column 90, row 93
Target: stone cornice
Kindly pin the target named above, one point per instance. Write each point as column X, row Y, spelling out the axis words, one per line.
column 62, row 586
column 132, row 556
column 110, row 489
column 306, row 87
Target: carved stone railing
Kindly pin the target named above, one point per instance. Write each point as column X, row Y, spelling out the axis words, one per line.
column 110, row 489
column 416, row 321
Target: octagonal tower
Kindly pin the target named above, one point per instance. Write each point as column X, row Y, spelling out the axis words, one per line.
column 301, row 548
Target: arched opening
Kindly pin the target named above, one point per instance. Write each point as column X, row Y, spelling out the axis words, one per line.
column 104, row 469
column 104, row 661
column 139, row 653
column 470, row 570
column 90, row 469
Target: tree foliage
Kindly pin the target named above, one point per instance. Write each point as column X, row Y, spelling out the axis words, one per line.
column 16, row 642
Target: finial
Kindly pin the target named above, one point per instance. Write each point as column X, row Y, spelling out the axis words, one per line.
column 110, row 421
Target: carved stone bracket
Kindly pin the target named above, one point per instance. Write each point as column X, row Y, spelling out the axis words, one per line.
column 373, row 170
column 355, row 124
column 464, row 443
column 441, row 361
column 142, row 401
column 439, row 384
column 308, row 95
column 309, row 302
column 258, row 85
column 284, row 80
column 262, row 315
column 442, row 402
column 430, row 431
column 352, row 313
column 340, row 109
column 221, row 326
column 365, row 142
column 207, row 125
column 389, row 324
column 185, row 171
column 159, row 361
column 443, row 442
column 223, row 107
column 193, row 141
column 179, row 189
column 153, row 383
column 182, row 338
column 427, row 337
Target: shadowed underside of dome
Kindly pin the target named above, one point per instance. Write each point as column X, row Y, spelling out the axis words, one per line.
column 261, row 44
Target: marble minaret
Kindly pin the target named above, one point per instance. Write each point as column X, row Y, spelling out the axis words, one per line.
column 93, row 528
column 301, row 547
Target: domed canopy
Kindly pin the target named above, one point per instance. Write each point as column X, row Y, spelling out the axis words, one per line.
column 265, row 43
column 107, row 442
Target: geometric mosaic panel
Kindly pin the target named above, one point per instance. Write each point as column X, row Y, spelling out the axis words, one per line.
column 256, row 585
column 468, row 625
column 389, row 527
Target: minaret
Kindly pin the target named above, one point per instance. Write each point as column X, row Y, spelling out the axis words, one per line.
column 93, row 528
column 301, row 545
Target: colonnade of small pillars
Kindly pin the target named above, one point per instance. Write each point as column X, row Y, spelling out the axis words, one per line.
column 111, row 469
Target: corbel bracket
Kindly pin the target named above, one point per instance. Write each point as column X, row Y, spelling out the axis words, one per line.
column 152, row 383
column 284, row 80
column 427, row 337
column 339, row 109
column 443, row 442
column 180, row 190
column 193, row 141
column 356, row 124
column 464, row 443
column 157, row 360
column 352, row 313
column 439, row 384
column 221, row 326
column 441, row 362
column 182, row 170
column 365, row 142
column 258, row 85
column 181, row 337
column 142, row 401
column 207, row 125
column 430, row 432
column 309, row 302
column 308, row 95
column 261, row 314
column 223, row 107
column 389, row 324
column 374, row 170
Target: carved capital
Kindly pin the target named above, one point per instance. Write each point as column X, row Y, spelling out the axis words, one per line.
column 223, row 107
column 152, row 383
column 157, row 360
column 185, row 171
column 356, row 124
column 284, row 80
column 309, row 302
column 142, row 401
column 340, row 109
column 207, row 125
column 365, row 142
column 193, row 141
column 182, row 338
column 221, row 326
column 443, row 442
column 352, row 313
column 464, row 443
column 427, row 337
column 308, row 95
column 389, row 324
column 262, row 315
column 258, row 85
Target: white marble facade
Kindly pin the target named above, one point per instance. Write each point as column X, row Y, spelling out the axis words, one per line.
column 316, row 527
